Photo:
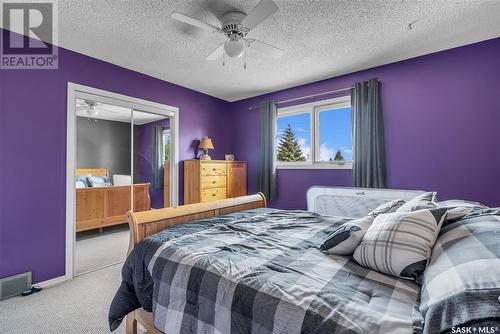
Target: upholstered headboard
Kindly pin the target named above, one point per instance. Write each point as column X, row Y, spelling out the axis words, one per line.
column 352, row 202
column 92, row 171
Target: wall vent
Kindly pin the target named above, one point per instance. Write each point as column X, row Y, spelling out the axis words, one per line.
column 13, row 285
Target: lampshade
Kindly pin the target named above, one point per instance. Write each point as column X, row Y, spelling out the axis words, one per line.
column 206, row 144
column 234, row 48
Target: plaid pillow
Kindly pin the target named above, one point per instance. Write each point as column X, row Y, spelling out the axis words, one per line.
column 345, row 239
column 387, row 207
column 400, row 243
column 427, row 200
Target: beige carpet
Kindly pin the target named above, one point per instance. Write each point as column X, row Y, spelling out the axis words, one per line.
column 79, row 306
column 95, row 250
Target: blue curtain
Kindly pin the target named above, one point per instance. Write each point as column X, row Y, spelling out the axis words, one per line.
column 266, row 162
column 368, row 135
column 157, row 157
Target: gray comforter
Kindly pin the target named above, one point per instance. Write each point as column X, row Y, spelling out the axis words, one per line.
column 261, row 271
column 461, row 288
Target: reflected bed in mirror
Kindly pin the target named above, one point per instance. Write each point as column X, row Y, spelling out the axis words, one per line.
column 98, row 207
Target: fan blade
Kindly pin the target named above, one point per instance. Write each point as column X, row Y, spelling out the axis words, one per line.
column 81, row 108
column 195, row 22
column 217, row 53
column 266, row 49
column 108, row 110
column 259, row 14
column 100, row 107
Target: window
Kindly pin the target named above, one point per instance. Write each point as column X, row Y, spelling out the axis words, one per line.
column 315, row 135
column 166, row 145
column 293, row 138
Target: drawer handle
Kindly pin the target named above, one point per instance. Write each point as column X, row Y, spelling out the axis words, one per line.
column 214, row 169
column 213, row 195
column 213, row 182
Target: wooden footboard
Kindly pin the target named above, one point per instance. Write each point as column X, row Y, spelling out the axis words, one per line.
column 145, row 223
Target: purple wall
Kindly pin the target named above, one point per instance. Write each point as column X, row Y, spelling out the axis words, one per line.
column 33, row 150
column 442, row 117
column 442, row 126
column 144, row 156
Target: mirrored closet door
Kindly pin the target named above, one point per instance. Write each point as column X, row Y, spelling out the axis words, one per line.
column 103, row 183
column 123, row 162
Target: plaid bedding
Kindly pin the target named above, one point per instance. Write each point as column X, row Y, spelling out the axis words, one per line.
column 261, row 271
column 462, row 281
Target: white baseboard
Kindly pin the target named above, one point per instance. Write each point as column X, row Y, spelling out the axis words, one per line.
column 51, row 282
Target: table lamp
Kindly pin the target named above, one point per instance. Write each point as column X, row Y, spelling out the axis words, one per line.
column 205, row 145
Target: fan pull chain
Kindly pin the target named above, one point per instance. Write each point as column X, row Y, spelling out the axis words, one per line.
column 223, row 58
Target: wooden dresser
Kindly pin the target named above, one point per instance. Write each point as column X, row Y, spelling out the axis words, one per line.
column 211, row 180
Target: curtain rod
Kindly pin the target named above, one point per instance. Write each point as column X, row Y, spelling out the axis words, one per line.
column 309, row 96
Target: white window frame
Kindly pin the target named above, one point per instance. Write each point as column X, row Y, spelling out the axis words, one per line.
column 166, row 131
column 314, row 109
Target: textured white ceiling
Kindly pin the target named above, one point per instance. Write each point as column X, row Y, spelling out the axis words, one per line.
column 321, row 38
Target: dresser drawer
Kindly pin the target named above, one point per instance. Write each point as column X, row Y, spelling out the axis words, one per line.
column 213, row 181
column 213, row 169
column 213, row 194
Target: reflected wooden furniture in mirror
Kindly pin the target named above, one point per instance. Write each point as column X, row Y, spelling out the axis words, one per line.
column 106, row 206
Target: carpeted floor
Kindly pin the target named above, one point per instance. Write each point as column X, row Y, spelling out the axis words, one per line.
column 95, row 250
column 79, row 306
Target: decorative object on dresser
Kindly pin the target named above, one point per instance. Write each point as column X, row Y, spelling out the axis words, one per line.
column 210, row 180
column 205, row 145
column 106, row 206
column 229, row 157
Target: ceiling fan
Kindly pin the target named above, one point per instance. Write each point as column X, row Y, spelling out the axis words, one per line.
column 236, row 25
column 91, row 107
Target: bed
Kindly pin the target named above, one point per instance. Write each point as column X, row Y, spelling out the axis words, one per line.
column 107, row 206
column 235, row 266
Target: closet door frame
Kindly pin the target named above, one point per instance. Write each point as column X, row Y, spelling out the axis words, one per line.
column 75, row 91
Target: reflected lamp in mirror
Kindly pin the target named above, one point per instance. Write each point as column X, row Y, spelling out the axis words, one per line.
column 205, row 145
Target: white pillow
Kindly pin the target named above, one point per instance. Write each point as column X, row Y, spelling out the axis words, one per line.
column 427, row 200
column 400, row 243
column 80, row 184
column 345, row 239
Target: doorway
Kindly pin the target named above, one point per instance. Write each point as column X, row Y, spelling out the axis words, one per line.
column 122, row 154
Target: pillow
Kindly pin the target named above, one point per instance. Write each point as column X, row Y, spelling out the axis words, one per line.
column 387, row 207
column 457, row 208
column 453, row 203
column 80, row 184
column 345, row 239
column 427, row 200
column 400, row 243
column 81, row 181
column 99, row 181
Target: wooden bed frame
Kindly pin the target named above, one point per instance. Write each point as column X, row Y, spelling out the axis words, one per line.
column 106, row 206
column 143, row 224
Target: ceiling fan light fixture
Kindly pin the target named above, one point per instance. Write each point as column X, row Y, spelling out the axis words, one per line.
column 91, row 110
column 234, row 48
